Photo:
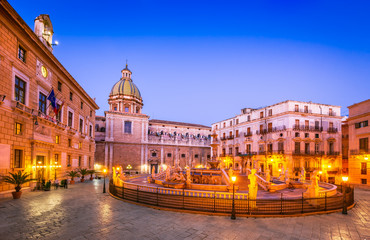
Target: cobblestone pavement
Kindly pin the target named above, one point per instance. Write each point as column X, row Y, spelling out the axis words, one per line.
column 84, row 212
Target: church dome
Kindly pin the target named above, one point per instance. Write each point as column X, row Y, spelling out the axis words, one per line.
column 125, row 86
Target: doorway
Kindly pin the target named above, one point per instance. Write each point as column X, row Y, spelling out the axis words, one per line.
column 155, row 168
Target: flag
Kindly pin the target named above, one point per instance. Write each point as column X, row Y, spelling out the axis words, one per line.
column 53, row 101
column 59, row 108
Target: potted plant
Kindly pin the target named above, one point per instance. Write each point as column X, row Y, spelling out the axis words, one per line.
column 91, row 172
column 83, row 172
column 18, row 179
column 73, row 174
column 47, row 186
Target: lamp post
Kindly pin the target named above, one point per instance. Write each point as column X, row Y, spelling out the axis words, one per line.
column 105, row 174
column 344, row 188
column 233, row 179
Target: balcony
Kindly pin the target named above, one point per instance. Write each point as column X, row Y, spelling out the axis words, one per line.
column 223, row 138
column 308, row 153
column 332, row 130
column 247, row 154
column 332, row 153
column 359, row 151
column 300, row 110
column 230, row 137
column 271, row 130
column 307, row 128
column 72, row 130
column 248, row 134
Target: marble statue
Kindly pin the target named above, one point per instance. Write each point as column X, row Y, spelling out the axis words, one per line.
column 268, row 176
column 168, row 173
column 313, row 189
column 153, row 172
column 231, row 172
column 287, row 180
column 188, row 176
column 253, row 188
column 303, row 174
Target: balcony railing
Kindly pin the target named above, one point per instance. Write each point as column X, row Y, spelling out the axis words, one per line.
column 332, row 130
column 248, row 134
column 247, row 154
column 307, row 128
column 271, row 130
column 230, row 137
column 359, row 151
column 332, row 153
column 303, row 110
column 223, row 138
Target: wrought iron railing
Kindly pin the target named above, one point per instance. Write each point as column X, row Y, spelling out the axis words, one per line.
column 221, row 202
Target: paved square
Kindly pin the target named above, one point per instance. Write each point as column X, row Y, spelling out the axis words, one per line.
column 84, row 212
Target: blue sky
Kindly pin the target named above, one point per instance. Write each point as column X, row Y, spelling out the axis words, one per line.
column 202, row 61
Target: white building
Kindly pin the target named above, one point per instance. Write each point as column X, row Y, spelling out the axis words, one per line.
column 289, row 134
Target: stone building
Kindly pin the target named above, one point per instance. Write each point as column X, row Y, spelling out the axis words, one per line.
column 359, row 135
column 34, row 136
column 289, row 134
column 126, row 137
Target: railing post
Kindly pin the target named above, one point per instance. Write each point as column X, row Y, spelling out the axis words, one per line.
column 325, row 199
column 123, row 191
column 248, row 202
column 157, row 197
column 214, row 201
column 281, row 203
column 183, row 198
column 137, row 193
column 302, row 203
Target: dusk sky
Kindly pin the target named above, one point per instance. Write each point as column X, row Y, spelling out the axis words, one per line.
column 202, row 61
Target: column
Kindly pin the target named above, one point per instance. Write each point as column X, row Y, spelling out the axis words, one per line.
column 162, row 155
column 142, row 159
column 110, row 157
column 106, row 155
column 146, row 158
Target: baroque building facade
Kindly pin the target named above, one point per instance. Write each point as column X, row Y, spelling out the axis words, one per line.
column 287, row 135
column 127, row 137
column 34, row 136
column 358, row 143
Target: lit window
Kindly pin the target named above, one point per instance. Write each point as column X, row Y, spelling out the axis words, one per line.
column 18, row 129
column 79, row 145
column 57, row 139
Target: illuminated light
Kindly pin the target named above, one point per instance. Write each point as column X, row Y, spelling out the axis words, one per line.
column 272, row 160
column 117, row 168
column 39, row 162
column 345, row 178
column 130, row 167
column 366, row 158
column 329, row 166
column 279, row 170
column 104, row 170
column 320, row 172
column 233, row 179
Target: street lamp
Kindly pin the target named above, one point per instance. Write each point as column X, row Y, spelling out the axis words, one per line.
column 233, row 179
column 105, row 174
column 344, row 187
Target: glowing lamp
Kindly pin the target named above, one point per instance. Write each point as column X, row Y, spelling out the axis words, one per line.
column 329, row 166
column 320, row 172
column 104, row 170
column 345, row 178
column 117, row 168
column 366, row 158
column 279, row 170
column 272, row 160
column 233, row 179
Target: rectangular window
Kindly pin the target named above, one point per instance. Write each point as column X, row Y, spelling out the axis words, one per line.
column 236, row 133
column 249, row 131
column 126, row 109
column 364, row 144
column 169, row 155
column 231, row 123
column 306, row 135
column 79, row 161
column 89, row 162
column 18, row 128
column 297, row 147
column 317, row 125
column 20, row 90
column 306, row 109
column 80, row 145
column 208, row 156
column 331, row 148
column 42, row 103
column 281, row 147
column 261, row 128
column 248, row 148
column 18, row 157
column 317, row 147
column 307, row 148
column 56, row 160
column 224, row 124
column 71, row 96
column 59, row 114
column 237, row 151
column 82, row 105
column 269, row 126
column 90, row 131
column 269, row 148
column 261, row 114
column 128, row 127
column 81, row 125
column 21, row 54
column 363, row 181
column 363, row 168
column 296, row 108
column 248, row 118
column 70, row 119
column 90, row 113
column 59, row 86
column 330, row 112
column 270, row 112
column 69, row 142
column 317, row 135
column 57, row 139
column 237, row 121
column 68, row 160
column 182, row 155
column 297, row 123
column 196, row 156
column 261, row 148
column 306, row 124
column 230, row 151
